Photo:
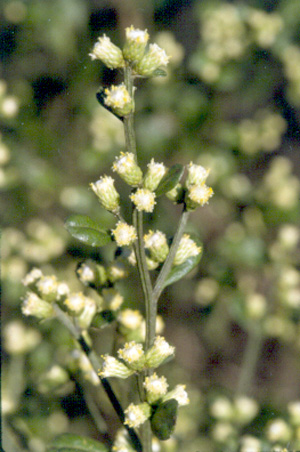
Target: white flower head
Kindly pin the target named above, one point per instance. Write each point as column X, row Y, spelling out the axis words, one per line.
column 178, row 393
column 154, row 175
column 124, row 234
column 156, row 387
column 112, row 298
column 47, row 287
column 160, row 350
column 187, row 248
column 197, row 175
column 130, row 319
column 157, row 244
column 133, row 355
column 108, row 196
column 125, row 165
column 118, row 98
column 112, row 367
column 75, row 303
column 135, row 415
column 108, row 53
column 199, row 195
column 153, row 59
column 35, row 306
column 136, row 35
column 143, row 199
column 159, row 54
column 32, row 277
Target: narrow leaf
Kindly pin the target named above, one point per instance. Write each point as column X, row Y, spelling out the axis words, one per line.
column 170, row 180
column 179, row 271
column 68, row 442
column 87, row 230
column 159, row 73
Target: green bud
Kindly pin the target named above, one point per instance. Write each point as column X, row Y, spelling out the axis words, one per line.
column 135, row 44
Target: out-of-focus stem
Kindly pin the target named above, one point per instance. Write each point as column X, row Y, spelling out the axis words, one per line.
column 251, row 356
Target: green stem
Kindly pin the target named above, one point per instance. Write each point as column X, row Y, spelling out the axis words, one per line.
column 250, row 359
column 139, row 249
column 130, row 141
column 159, row 285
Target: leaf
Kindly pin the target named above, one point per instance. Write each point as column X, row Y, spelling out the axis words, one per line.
column 164, row 419
column 170, row 180
column 159, row 73
column 87, row 230
column 179, row 271
column 68, row 442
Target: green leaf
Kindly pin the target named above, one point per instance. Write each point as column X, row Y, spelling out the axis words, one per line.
column 164, row 419
column 68, row 442
column 170, row 180
column 87, row 230
column 159, row 73
column 179, row 271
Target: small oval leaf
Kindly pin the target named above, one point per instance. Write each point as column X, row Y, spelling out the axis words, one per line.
column 87, row 230
column 170, row 180
column 164, row 419
column 179, row 271
column 68, row 442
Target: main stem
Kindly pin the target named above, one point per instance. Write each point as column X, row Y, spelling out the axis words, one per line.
column 139, row 248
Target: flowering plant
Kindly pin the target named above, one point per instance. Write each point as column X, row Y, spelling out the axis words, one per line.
column 155, row 408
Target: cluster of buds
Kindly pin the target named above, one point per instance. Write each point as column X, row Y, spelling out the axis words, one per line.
column 45, row 291
column 132, row 358
column 144, row 61
column 197, row 192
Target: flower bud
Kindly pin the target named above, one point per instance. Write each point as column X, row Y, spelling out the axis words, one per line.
column 124, row 234
column 135, row 415
column 91, row 274
column 119, row 100
column 197, row 175
column 108, row 53
column 130, row 319
column 75, row 303
column 117, row 271
column 112, row 299
column 154, row 175
column 19, row 339
column 35, row 306
column 125, row 165
column 107, row 194
column 84, row 319
column 46, row 287
column 152, row 60
column 143, row 199
column 156, row 387
column 32, row 277
column 135, row 44
column 179, row 394
column 197, row 195
column 112, row 367
column 176, row 194
column 158, row 352
column 133, row 355
column 278, row 430
column 156, row 243
column 187, row 248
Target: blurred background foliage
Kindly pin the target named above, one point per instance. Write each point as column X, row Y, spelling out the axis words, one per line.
column 230, row 102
